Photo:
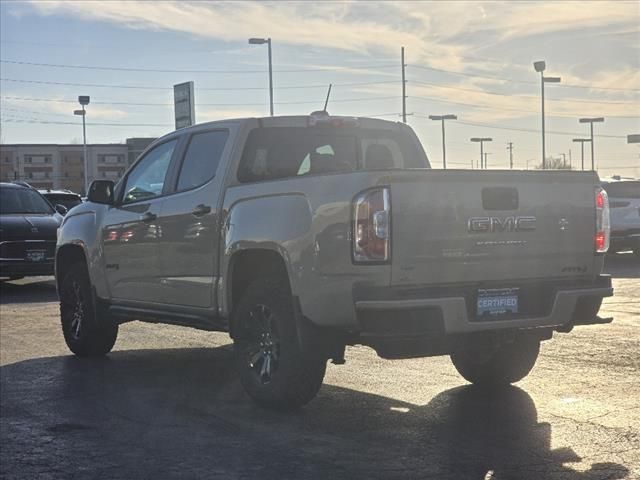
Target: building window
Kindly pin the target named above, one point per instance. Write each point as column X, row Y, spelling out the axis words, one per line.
column 27, row 159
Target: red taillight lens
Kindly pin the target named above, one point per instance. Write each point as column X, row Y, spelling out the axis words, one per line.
column 603, row 224
column 371, row 226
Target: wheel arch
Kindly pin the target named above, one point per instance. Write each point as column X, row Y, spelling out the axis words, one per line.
column 248, row 265
column 66, row 257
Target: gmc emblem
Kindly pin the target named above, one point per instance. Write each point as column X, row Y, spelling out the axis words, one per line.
column 499, row 225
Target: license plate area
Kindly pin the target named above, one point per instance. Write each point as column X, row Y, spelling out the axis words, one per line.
column 36, row 255
column 495, row 303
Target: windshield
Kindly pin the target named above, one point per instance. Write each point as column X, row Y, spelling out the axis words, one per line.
column 23, row 200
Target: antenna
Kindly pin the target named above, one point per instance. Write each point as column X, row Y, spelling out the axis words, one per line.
column 326, row 102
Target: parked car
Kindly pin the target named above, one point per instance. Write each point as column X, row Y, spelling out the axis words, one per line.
column 624, row 201
column 28, row 225
column 302, row 235
column 67, row 198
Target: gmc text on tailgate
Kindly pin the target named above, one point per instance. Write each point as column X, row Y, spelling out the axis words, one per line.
column 302, row 235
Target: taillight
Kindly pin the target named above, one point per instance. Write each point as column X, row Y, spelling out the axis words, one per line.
column 603, row 225
column 372, row 226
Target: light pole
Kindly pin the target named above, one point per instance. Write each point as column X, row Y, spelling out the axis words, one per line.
column 486, row 154
column 581, row 142
column 539, row 67
column 261, row 41
column 442, row 118
column 481, row 141
column 84, row 100
column 591, row 121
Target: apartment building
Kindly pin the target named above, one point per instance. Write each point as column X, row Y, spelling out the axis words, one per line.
column 55, row 166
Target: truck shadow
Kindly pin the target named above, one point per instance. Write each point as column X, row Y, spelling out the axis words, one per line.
column 28, row 291
column 181, row 413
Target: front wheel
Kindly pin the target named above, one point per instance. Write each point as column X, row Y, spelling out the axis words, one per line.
column 84, row 332
column 486, row 365
column 273, row 369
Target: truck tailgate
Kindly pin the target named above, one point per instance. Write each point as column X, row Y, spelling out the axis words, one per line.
column 454, row 227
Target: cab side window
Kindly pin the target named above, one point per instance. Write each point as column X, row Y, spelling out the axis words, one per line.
column 201, row 159
column 147, row 178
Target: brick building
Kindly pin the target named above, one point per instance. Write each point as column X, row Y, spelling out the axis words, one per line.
column 58, row 166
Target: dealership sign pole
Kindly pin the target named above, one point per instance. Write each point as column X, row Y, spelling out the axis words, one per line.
column 184, row 105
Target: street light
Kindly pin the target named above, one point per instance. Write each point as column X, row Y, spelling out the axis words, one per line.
column 442, row 118
column 539, row 67
column 84, row 100
column 581, row 142
column 591, row 121
column 262, row 41
column 481, row 140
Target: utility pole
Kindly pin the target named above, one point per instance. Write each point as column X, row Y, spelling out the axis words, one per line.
column 404, row 87
column 510, row 148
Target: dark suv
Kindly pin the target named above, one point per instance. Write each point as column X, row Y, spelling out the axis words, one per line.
column 28, row 225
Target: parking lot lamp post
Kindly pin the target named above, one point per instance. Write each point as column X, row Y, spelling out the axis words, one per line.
column 591, row 121
column 84, row 100
column 539, row 67
column 481, row 141
column 261, row 41
column 581, row 142
column 442, row 118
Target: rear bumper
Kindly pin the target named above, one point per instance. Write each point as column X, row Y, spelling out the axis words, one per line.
column 450, row 315
column 25, row 269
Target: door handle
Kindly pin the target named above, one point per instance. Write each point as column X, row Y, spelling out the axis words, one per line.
column 148, row 217
column 201, row 210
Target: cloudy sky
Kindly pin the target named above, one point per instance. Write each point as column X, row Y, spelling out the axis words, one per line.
column 472, row 59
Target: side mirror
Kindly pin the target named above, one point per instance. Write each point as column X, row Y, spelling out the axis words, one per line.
column 61, row 209
column 101, row 191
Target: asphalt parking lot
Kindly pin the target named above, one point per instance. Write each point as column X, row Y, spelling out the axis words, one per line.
column 167, row 404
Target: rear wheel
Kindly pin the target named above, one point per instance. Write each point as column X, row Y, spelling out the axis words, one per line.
column 84, row 332
column 273, row 369
column 502, row 364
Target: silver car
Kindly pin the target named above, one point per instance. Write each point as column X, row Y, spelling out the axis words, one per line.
column 624, row 202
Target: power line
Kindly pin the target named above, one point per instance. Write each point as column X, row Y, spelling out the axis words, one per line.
column 519, row 110
column 148, row 87
column 518, row 129
column 305, row 102
column 529, row 82
column 420, row 82
column 159, row 70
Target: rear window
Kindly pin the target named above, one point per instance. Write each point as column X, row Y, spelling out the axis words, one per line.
column 272, row 153
column 622, row 189
column 68, row 201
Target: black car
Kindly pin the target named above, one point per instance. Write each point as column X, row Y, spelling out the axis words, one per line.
column 28, row 225
column 66, row 198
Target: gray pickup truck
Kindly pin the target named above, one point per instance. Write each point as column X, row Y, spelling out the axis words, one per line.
column 301, row 235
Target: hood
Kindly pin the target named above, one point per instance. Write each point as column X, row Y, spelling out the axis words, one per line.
column 29, row 226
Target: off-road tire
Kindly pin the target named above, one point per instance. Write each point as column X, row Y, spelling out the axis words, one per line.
column 85, row 333
column 501, row 365
column 264, row 325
